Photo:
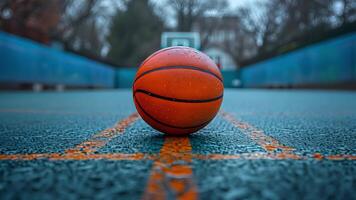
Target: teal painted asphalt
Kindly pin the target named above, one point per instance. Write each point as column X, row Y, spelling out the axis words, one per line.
column 309, row 121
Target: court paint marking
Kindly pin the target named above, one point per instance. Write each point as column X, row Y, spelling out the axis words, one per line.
column 34, row 156
column 102, row 138
column 109, row 156
column 172, row 175
column 86, row 150
column 249, row 156
column 341, row 157
column 268, row 143
column 141, row 156
column 57, row 156
column 54, row 112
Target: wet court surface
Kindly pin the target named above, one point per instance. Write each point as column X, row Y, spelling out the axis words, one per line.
column 262, row 145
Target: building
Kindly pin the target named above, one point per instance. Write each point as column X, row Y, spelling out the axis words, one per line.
column 224, row 60
column 224, row 41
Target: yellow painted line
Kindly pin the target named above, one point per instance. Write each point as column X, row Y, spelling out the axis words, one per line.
column 24, row 156
column 319, row 156
column 249, row 156
column 268, row 143
column 57, row 156
column 271, row 156
column 175, row 150
column 142, row 156
column 102, row 138
column 171, row 175
column 110, row 156
column 31, row 111
column 341, row 157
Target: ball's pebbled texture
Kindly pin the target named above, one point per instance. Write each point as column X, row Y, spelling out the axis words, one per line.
column 178, row 90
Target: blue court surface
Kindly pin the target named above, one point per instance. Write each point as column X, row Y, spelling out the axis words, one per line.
column 264, row 144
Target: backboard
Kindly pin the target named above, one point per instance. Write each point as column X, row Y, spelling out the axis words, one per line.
column 188, row 39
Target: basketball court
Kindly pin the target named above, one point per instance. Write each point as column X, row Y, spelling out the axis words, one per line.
column 271, row 144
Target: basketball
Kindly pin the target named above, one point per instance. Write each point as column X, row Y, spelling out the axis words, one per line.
column 178, row 90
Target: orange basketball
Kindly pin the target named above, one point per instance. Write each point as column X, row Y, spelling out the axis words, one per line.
column 178, row 90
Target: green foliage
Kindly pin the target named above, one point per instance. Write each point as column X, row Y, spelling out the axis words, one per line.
column 134, row 33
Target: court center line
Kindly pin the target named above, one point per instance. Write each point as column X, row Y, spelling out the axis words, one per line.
column 171, row 174
column 100, row 139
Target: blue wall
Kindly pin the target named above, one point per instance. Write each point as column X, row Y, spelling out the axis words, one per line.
column 125, row 77
column 24, row 61
column 230, row 77
column 328, row 62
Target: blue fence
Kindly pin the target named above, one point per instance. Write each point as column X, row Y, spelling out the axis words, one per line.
column 24, row 61
column 328, row 62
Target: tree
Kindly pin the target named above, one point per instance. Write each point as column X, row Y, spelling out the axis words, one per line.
column 34, row 19
column 301, row 16
column 348, row 11
column 280, row 21
column 74, row 23
column 134, row 33
column 263, row 26
column 187, row 12
column 79, row 29
column 87, row 39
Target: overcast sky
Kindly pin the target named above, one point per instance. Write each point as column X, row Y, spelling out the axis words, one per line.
column 233, row 5
column 239, row 3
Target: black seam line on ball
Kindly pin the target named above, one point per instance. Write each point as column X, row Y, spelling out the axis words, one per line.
column 176, row 99
column 168, row 125
column 179, row 67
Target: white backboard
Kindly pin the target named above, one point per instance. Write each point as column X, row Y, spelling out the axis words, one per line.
column 188, row 39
